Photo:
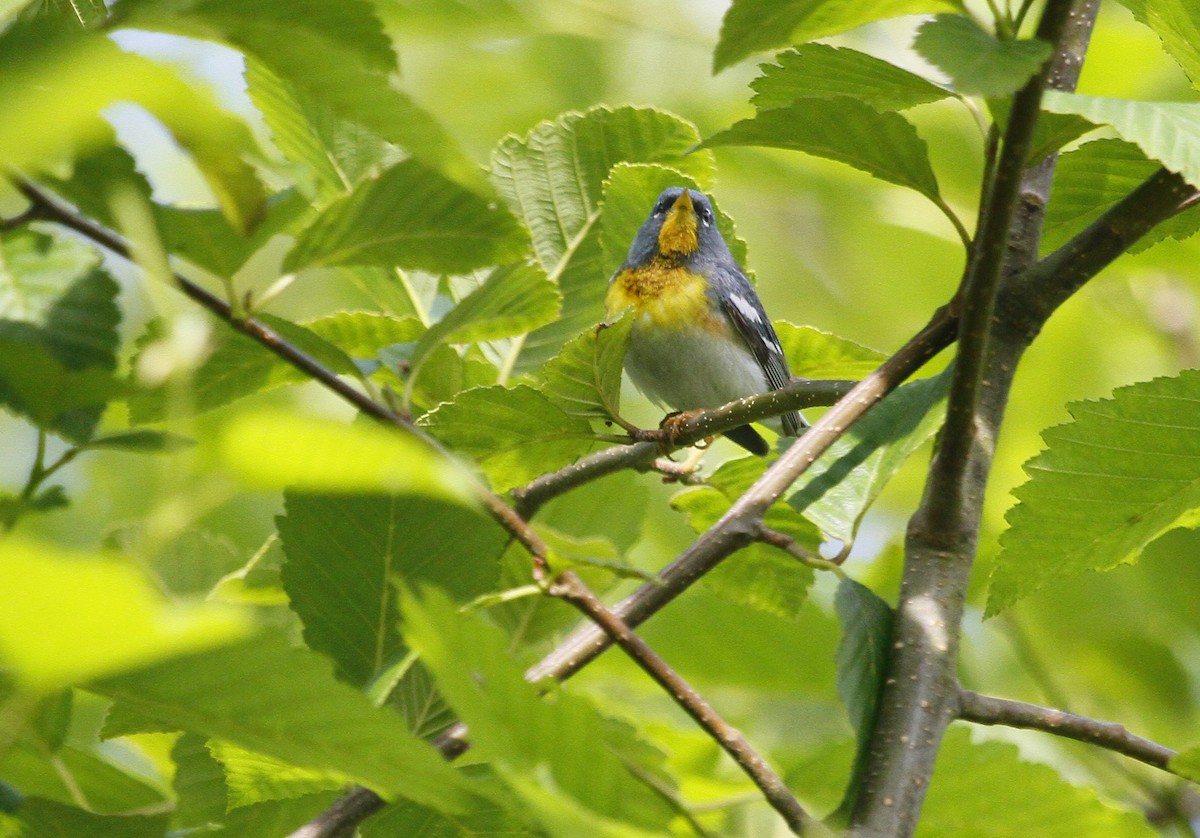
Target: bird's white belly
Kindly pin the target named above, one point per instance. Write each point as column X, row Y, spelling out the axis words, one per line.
column 687, row 369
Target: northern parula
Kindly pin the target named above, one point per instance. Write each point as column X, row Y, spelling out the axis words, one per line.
column 700, row 337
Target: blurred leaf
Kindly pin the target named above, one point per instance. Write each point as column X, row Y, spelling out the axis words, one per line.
column 812, row 353
column 1177, row 24
column 361, row 334
column 71, row 772
column 978, row 63
column 514, row 434
column 585, row 378
column 271, row 818
column 261, row 447
column 329, row 65
column 39, row 817
column 1111, row 481
column 862, row 658
column 407, row 818
column 553, row 180
column 85, row 14
column 1023, row 798
column 514, row 299
column 57, row 82
column 35, row 273
column 253, row 778
column 142, row 440
column 760, row 576
column 820, row 71
column 629, row 194
column 1186, row 763
column 199, row 783
column 841, row 485
column 884, row 145
column 614, row 506
column 107, row 617
column 344, row 553
column 206, row 239
column 574, row 755
column 411, row 217
column 1168, row 132
column 283, row 702
column 1094, row 177
column 754, row 25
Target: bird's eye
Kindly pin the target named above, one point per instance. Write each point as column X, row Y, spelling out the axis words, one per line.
column 706, row 215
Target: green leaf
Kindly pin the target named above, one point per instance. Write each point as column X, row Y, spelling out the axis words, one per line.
column 271, row 818
column 108, row 617
column 575, row 755
column 553, row 181
column 884, row 145
column 261, row 448
column 862, row 657
column 333, row 63
column 83, row 13
column 754, row 25
column 198, row 783
column 514, row 434
column 1168, row 132
column 978, row 63
column 280, row 701
column 1177, row 24
column 411, row 217
column 142, row 440
column 70, row 772
column 409, row 819
column 760, row 576
column 812, row 353
column 35, row 272
column 819, row 71
column 843, row 483
column 361, row 334
column 57, row 83
column 1023, row 798
column 585, row 378
column 254, row 778
column 1111, row 481
column 344, row 552
column 39, row 817
column 513, row 300
column 629, row 193
column 1094, row 177
column 1186, row 763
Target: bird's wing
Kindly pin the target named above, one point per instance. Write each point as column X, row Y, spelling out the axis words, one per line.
column 741, row 305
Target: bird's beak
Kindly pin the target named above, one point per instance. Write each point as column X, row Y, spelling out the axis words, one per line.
column 678, row 234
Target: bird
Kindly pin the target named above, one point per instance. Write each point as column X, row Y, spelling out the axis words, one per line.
column 700, row 337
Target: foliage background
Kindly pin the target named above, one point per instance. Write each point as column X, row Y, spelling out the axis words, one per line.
column 830, row 247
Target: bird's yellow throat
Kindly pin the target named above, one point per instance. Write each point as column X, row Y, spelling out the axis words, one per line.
column 668, row 294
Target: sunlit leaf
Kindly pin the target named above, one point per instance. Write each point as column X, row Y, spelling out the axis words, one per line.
column 574, row 744
column 977, row 62
column 1168, row 132
column 764, row 577
column 267, row 697
column 344, row 553
column 1119, row 475
column 512, row 301
column 514, row 434
column 812, row 353
column 884, row 145
column 553, row 179
column 842, row 484
column 261, row 447
column 108, row 617
column 411, row 217
column 253, row 778
column 585, row 378
column 820, row 71
column 754, row 25
column 72, row 771
column 1187, row 763
column 199, row 782
column 1177, row 23
column 1024, row 798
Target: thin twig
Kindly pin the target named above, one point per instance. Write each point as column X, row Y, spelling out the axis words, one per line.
column 568, row 587
column 789, row 545
column 990, row 710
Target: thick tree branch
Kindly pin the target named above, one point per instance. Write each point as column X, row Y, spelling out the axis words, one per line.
column 920, row 694
column 567, row 586
column 989, row 710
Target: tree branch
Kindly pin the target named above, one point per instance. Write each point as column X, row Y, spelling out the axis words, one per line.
column 567, row 586
column 920, row 694
column 989, row 710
